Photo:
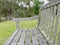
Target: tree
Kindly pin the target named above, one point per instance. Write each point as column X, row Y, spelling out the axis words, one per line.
column 10, row 9
column 7, row 8
column 36, row 7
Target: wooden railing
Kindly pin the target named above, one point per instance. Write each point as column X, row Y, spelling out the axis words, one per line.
column 49, row 22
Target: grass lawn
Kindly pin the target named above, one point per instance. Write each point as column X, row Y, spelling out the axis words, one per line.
column 8, row 27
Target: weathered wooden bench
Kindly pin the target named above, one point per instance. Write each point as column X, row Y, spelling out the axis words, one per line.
column 23, row 36
column 46, row 32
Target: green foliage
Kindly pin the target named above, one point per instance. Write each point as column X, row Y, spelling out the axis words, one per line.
column 11, row 9
column 37, row 6
column 8, row 8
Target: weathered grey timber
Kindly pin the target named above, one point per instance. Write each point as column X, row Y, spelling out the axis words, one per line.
column 46, row 32
column 27, row 37
column 49, row 22
column 14, row 42
column 23, row 19
column 11, row 38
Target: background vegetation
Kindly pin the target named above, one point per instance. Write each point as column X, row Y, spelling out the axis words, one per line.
column 10, row 9
column 15, row 8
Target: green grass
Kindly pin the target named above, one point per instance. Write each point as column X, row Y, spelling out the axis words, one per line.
column 28, row 24
column 8, row 27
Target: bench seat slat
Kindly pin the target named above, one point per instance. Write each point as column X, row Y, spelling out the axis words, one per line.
column 11, row 38
column 21, row 41
column 35, row 42
column 34, row 38
column 41, row 39
column 14, row 42
column 28, row 38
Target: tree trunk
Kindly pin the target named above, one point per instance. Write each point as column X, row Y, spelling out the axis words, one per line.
column 0, row 19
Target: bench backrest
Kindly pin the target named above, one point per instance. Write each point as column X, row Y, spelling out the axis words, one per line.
column 49, row 22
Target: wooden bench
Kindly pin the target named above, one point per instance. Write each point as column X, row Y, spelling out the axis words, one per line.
column 46, row 32
column 26, row 36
